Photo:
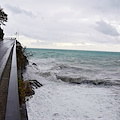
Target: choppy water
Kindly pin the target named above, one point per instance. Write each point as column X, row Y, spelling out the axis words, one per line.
column 95, row 94
column 79, row 66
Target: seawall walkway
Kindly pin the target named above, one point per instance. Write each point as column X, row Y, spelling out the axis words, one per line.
column 9, row 102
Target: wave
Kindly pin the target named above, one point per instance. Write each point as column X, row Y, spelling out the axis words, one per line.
column 59, row 67
column 63, row 66
column 45, row 74
column 84, row 80
column 60, row 72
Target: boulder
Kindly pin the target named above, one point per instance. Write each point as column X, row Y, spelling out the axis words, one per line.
column 34, row 64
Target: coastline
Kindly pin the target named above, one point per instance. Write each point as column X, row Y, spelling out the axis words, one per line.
column 25, row 88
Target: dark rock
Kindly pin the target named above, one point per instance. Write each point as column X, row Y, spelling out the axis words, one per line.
column 34, row 64
column 30, row 93
column 22, row 60
column 35, row 84
column 28, row 89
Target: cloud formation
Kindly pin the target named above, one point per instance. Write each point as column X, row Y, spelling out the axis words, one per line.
column 66, row 24
column 17, row 10
column 106, row 28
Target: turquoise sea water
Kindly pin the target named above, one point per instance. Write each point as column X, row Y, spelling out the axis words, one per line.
column 78, row 66
column 77, row 85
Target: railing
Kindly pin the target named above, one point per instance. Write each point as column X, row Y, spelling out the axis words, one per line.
column 12, row 109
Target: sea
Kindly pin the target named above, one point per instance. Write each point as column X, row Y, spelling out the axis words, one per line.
column 77, row 85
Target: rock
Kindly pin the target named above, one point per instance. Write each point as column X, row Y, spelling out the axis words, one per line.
column 28, row 89
column 35, row 84
column 34, row 64
column 29, row 86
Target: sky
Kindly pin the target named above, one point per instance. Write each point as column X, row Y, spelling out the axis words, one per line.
column 64, row 24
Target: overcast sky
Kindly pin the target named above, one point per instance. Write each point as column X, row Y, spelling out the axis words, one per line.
column 64, row 24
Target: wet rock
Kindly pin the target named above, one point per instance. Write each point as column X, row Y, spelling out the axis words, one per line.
column 35, row 84
column 30, row 85
column 34, row 64
column 28, row 89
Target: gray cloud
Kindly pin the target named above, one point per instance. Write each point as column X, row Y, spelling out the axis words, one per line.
column 64, row 21
column 106, row 28
column 18, row 10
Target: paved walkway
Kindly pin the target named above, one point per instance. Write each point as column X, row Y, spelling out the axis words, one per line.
column 5, row 67
column 4, row 46
column 4, row 88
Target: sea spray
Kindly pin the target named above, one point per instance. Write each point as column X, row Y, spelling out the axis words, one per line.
column 95, row 96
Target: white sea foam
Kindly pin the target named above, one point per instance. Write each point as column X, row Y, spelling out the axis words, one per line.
column 57, row 100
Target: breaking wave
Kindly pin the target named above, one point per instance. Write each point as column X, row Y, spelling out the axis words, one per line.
column 84, row 80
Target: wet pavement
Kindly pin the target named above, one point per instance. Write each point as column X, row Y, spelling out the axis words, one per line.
column 5, row 68
column 5, row 49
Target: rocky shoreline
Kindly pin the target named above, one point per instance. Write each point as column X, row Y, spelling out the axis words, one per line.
column 25, row 88
column 30, row 85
